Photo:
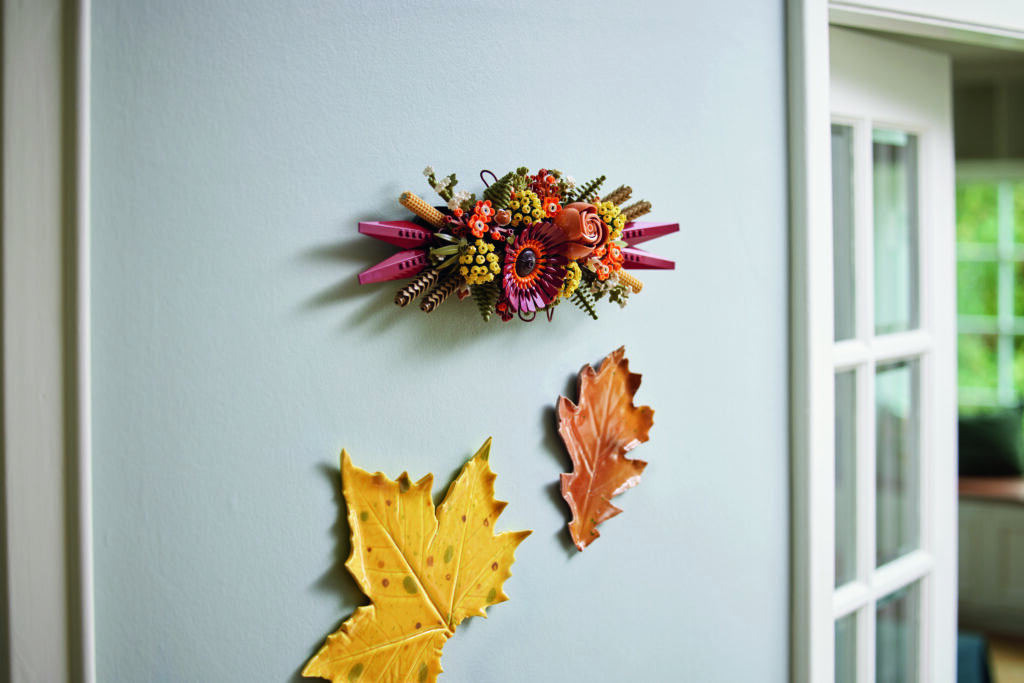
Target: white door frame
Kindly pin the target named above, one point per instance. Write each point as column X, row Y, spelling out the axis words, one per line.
column 46, row 482
column 811, row 303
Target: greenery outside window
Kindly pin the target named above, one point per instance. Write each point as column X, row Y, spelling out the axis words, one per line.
column 990, row 283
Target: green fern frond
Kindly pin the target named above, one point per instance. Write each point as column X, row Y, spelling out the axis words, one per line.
column 584, row 302
column 486, row 296
column 585, row 192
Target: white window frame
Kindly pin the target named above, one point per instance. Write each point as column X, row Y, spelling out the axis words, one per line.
column 930, row 344
column 811, row 317
column 1006, row 254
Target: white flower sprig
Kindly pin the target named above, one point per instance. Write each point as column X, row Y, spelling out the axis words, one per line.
column 457, row 199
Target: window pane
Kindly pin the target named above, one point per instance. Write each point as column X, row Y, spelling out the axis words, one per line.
column 1018, row 365
column 894, row 159
column 1018, row 213
column 976, row 213
column 846, row 649
column 846, row 471
column 897, row 630
column 896, row 473
column 1018, row 289
column 977, row 288
column 842, row 230
column 977, row 361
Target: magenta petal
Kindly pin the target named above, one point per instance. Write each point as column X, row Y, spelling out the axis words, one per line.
column 544, row 288
column 520, row 302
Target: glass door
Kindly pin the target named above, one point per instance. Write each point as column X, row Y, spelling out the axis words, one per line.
column 893, row 599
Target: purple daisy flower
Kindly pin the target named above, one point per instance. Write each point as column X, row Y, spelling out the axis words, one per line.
column 534, row 267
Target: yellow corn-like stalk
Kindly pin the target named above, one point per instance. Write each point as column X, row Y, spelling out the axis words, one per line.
column 630, row 281
column 419, row 207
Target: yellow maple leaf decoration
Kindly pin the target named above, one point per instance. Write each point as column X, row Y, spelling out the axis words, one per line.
column 424, row 573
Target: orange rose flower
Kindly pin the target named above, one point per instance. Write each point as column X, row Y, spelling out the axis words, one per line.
column 583, row 229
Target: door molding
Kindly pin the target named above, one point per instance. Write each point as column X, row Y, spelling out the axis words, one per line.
column 46, row 493
column 810, row 360
column 866, row 16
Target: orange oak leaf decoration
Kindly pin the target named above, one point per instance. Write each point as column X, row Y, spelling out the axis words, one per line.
column 598, row 433
column 423, row 570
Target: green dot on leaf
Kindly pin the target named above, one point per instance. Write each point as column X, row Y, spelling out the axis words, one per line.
column 449, row 553
column 409, row 585
column 355, row 672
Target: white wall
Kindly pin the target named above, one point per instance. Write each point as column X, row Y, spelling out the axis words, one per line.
column 237, row 145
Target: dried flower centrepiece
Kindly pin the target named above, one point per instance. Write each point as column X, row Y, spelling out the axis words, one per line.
column 530, row 242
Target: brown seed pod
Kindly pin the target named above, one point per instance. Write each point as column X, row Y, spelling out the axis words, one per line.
column 441, row 292
column 619, row 194
column 636, row 209
column 420, row 284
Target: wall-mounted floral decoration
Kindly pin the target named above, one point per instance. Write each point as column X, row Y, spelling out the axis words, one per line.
column 529, row 243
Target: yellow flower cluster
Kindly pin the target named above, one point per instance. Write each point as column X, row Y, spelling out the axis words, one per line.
column 478, row 263
column 573, row 275
column 526, row 208
column 611, row 215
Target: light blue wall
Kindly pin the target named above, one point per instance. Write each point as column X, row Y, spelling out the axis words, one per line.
column 236, row 146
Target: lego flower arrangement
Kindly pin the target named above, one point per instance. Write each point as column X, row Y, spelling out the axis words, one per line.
column 529, row 243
